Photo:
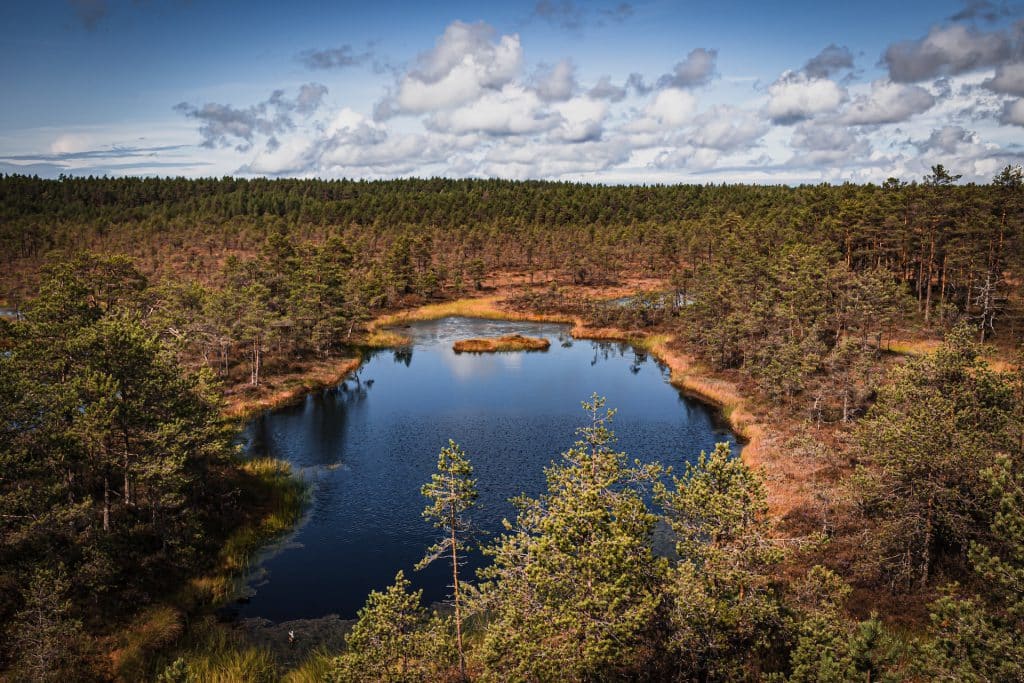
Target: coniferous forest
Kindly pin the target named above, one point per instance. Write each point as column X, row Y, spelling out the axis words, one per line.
column 864, row 340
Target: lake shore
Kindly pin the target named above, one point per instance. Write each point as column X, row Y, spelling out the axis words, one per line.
column 787, row 489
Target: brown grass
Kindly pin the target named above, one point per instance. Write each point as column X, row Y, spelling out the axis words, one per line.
column 280, row 390
column 922, row 347
column 386, row 339
column 487, row 307
column 912, row 347
column 154, row 629
column 492, row 308
column 508, row 342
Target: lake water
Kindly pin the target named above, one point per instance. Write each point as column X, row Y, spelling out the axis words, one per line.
column 368, row 446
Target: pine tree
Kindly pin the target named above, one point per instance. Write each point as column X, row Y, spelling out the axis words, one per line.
column 452, row 493
column 574, row 589
column 723, row 598
column 394, row 640
column 935, row 425
column 44, row 633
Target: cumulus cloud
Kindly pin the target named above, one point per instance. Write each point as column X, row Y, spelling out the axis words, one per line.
column 555, row 83
column 471, row 110
column 513, row 110
column 818, row 144
column 552, row 160
column 946, row 139
column 727, row 128
column 697, row 69
column 887, row 102
column 829, row 61
column 1013, row 113
column 692, row 158
column 983, row 9
column 332, row 58
column 636, row 83
column 309, row 98
column 604, row 89
column 819, row 137
column 466, row 62
column 582, row 120
column 1009, row 79
column 670, row 108
column 796, row 96
column 223, row 125
column 351, row 144
column 947, row 50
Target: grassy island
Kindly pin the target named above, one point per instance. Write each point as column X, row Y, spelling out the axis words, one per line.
column 509, row 342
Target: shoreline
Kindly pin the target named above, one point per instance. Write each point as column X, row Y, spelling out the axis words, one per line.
column 246, row 404
column 720, row 394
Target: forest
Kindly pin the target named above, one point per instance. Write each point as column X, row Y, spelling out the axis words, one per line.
column 865, row 340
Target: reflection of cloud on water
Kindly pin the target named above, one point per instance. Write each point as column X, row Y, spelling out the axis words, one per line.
column 468, row 366
column 472, row 366
column 512, row 361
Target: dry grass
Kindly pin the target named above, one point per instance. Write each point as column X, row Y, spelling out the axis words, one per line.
column 386, row 339
column 508, row 342
column 154, row 629
column 488, row 307
column 912, row 347
column 923, row 347
column 280, row 390
column 785, row 489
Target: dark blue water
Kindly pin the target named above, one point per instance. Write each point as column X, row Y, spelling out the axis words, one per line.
column 368, row 447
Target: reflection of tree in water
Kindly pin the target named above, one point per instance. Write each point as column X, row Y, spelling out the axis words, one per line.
column 639, row 358
column 603, row 350
column 403, row 355
column 354, row 390
column 565, row 340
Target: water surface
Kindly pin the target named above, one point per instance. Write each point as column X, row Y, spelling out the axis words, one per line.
column 368, row 446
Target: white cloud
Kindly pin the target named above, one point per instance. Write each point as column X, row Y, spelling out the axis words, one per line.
column 887, row 102
column 556, row 83
column 465, row 62
column 795, row 96
column 697, row 69
column 582, row 119
column 949, row 50
column 669, row 108
column 513, row 110
column 727, row 128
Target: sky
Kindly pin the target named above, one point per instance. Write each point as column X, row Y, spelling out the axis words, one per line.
column 644, row 91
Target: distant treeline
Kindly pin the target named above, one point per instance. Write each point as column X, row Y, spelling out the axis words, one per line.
column 949, row 236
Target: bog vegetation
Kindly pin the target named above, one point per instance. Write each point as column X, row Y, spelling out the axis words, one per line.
column 138, row 304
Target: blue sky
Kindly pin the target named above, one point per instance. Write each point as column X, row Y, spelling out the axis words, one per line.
column 565, row 89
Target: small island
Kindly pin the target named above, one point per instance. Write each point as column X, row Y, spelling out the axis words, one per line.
column 509, row 342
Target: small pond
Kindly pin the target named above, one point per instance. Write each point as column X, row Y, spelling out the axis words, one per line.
column 368, row 446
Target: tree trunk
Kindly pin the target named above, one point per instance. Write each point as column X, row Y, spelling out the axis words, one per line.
column 106, row 503
column 942, row 284
column 928, row 283
column 926, row 559
column 458, row 602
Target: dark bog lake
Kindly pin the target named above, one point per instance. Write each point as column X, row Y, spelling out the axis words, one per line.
column 368, row 446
